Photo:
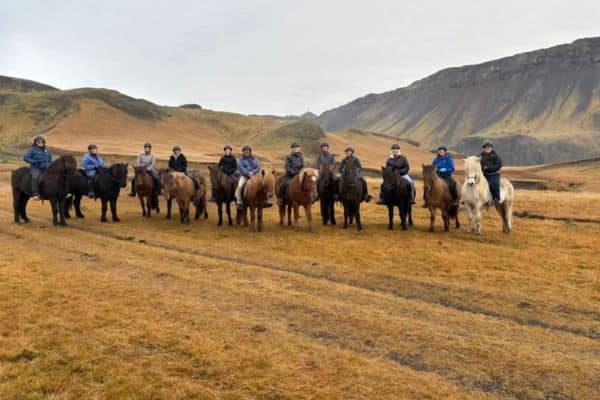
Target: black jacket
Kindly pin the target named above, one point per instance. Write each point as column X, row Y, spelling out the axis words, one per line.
column 399, row 164
column 228, row 164
column 294, row 163
column 490, row 163
column 178, row 164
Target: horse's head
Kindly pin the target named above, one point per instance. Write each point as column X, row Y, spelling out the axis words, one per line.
column 389, row 181
column 325, row 175
column 473, row 170
column 70, row 164
column 139, row 172
column 429, row 174
column 268, row 183
column 215, row 174
column 119, row 174
column 350, row 175
column 308, row 182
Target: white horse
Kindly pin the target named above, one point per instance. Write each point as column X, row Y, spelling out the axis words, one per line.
column 476, row 194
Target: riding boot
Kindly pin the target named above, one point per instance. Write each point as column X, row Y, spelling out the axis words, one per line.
column 367, row 197
column 91, row 181
column 132, row 193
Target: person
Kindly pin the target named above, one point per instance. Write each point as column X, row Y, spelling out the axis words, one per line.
column 325, row 157
column 294, row 162
column 147, row 160
column 177, row 161
column 399, row 164
column 491, row 165
column 349, row 151
column 39, row 158
column 444, row 164
column 93, row 165
column 249, row 166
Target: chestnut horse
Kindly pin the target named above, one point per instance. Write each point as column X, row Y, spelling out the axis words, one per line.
column 223, row 191
column 257, row 190
column 302, row 191
column 327, row 189
column 144, row 187
column 180, row 187
column 438, row 196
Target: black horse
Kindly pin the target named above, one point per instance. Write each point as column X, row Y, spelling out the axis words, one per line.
column 327, row 187
column 223, row 192
column 396, row 193
column 107, row 187
column 54, row 186
column 351, row 194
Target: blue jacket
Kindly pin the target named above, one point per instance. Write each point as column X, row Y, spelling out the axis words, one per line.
column 445, row 166
column 247, row 165
column 38, row 157
column 92, row 164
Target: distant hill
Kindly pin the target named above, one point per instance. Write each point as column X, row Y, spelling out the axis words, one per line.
column 11, row 84
column 551, row 96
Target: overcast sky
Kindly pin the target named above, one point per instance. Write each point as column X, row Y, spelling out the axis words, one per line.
column 271, row 57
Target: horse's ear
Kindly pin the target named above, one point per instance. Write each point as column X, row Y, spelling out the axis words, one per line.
column 382, row 167
column 273, row 172
column 262, row 172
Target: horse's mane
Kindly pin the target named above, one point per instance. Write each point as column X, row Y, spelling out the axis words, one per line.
column 61, row 164
column 473, row 164
column 429, row 174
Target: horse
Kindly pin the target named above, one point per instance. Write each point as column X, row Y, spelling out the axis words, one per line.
column 107, row 187
column 351, row 194
column 302, row 191
column 438, row 196
column 53, row 186
column 223, row 192
column 327, row 188
column 257, row 190
column 181, row 187
column 476, row 194
column 144, row 187
column 396, row 192
column 199, row 199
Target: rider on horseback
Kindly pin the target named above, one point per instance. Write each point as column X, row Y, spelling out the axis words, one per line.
column 399, row 164
column 147, row 160
column 39, row 158
column 93, row 164
column 491, row 165
column 177, row 161
column 228, row 165
column 445, row 167
column 249, row 166
column 351, row 157
column 325, row 157
column 294, row 163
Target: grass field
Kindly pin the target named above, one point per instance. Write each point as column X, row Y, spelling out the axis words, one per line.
column 151, row 309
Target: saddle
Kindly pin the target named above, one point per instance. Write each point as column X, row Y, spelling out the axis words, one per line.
column 195, row 179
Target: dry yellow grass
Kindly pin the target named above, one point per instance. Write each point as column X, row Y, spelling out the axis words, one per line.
column 153, row 309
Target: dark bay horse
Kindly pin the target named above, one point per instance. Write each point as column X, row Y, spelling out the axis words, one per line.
column 396, row 192
column 327, row 189
column 223, row 191
column 107, row 187
column 438, row 196
column 302, row 191
column 257, row 190
column 54, row 186
column 351, row 194
column 146, row 190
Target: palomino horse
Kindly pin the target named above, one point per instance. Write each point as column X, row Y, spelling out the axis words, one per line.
column 476, row 194
column 54, row 186
column 107, row 187
column 223, row 192
column 302, row 191
column 258, row 189
column 327, row 188
column 351, row 194
column 396, row 192
column 438, row 196
column 144, row 187
column 180, row 187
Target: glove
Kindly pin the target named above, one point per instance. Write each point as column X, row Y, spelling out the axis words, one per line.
column 442, row 169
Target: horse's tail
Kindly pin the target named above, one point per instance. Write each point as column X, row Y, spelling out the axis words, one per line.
column 453, row 210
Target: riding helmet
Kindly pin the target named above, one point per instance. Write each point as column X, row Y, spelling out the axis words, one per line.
column 324, row 144
column 147, row 145
column 395, row 146
column 442, row 147
column 350, row 148
column 246, row 147
column 39, row 137
column 227, row 146
column 295, row 144
column 488, row 142
column 176, row 147
column 92, row 146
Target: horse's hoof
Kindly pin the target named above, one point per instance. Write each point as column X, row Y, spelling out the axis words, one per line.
column 430, row 229
column 17, row 222
column 81, row 216
column 116, row 220
column 26, row 220
column 404, row 228
column 390, row 227
column 104, row 220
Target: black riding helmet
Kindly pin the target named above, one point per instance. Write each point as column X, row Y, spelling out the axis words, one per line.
column 92, row 146
column 39, row 137
column 228, row 147
column 442, row 147
column 295, row 144
column 246, row 147
column 487, row 143
column 176, row 147
column 395, row 146
column 324, row 144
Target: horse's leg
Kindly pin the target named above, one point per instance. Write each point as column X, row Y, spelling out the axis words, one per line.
column 308, row 213
column 324, row 211
column 186, row 211
column 478, row 209
column 470, row 216
column 358, row 220
column 410, row 220
column 228, row 211
column 62, row 209
column 219, row 213
column 252, row 218
column 281, row 214
column 69, row 205
column 296, row 208
column 113, row 209
column 332, row 212
column 204, row 207
column 53, row 204
column 260, row 219
column 403, row 213
column 149, row 205
column 345, row 216
column 289, row 215
column 17, row 209
column 169, row 207
column 508, row 215
column 142, row 204
column 446, row 219
column 104, row 208
column 431, row 218
column 457, row 224
column 390, row 208
column 77, row 204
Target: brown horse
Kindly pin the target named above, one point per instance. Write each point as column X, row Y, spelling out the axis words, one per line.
column 438, row 196
column 302, row 191
column 199, row 199
column 180, row 187
column 258, row 189
column 223, row 191
column 144, row 187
